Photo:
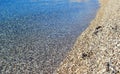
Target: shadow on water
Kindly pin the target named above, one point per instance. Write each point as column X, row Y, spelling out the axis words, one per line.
column 35, row 35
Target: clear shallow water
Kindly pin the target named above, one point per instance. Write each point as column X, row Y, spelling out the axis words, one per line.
column 35, row 35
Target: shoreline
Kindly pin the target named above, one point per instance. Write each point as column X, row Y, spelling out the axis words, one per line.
column 96, row 50
column 37, row 42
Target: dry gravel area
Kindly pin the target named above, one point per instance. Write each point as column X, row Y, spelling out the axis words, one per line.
column 97, row 50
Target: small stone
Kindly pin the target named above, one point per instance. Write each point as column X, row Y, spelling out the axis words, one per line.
column 84, row 55
column 107, row 66
column 98, row 27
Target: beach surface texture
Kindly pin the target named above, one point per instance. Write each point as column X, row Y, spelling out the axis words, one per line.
column 97, row 49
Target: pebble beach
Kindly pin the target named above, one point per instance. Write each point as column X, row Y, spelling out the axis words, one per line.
column 35, row 35
column 97, row 49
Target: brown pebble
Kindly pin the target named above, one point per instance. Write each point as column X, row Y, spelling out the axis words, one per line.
column 98, row 27
column 107, row 66
column 84, row 55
